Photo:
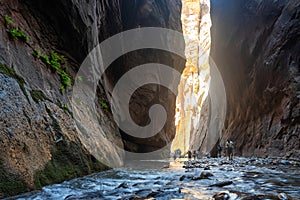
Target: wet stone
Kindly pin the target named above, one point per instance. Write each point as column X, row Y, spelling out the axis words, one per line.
column 221, row 184
column 260, row 197
column 134, row 198
column 285, row 162
column 204, row 175
column 86, row 196
column 182, row 178
column 123, row 185
column 196, row 178
column 159, row 183
column 223, row 195
column 153, row 194
column 169, row 183
column 283, row 196
column 144, row 192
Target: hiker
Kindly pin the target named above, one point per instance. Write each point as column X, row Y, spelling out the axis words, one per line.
column 195, row 154
column 208, row 154
column 174, row 155
column 177, row 154
column 199, row 156
column 189, row 154
column 229, row 147
column 220, row 148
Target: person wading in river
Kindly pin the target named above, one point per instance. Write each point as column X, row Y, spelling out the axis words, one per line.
column 195, row 154
column 189, row 154
column 220, row 148
column 229, row 147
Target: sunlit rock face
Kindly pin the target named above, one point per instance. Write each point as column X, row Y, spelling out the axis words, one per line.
column 190, row 120
column 255, row 45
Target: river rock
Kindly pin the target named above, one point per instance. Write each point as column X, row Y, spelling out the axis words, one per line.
column 195, row 178
column 182, row 178
column 153, row 194
column 223, row 195
column 159, row 183
column 135, row 198
column 206, row 174
column 283, row 196
column 285, row 162
column 86, row 196
column 144, row 192
column 123, row 185
column 203, row 175
column 221, row 184
column 261, row 197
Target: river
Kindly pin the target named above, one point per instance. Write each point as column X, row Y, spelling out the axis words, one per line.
column 244, row 178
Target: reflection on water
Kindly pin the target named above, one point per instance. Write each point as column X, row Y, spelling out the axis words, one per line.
column 158, row 182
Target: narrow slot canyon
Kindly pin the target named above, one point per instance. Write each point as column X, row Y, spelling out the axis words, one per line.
column 139, row 99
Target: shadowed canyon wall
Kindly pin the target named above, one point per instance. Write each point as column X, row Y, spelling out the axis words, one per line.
column 152, row 13
column 39, row 139
column 255, row 45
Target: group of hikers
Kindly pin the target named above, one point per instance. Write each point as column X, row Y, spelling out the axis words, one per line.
column 229, row 149
column 196, row 154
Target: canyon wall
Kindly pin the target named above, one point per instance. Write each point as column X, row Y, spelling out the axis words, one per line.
column 42, row 45
column 39, row 141
column 192, row 104
column 152, row 13
column 255, row 45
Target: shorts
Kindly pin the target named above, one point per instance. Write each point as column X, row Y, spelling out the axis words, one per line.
column 230, row 150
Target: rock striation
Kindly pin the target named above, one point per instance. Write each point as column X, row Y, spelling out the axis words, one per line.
column 192, row 99
column 255, row 45
column 39, row 141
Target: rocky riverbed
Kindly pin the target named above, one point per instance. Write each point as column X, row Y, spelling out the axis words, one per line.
column 208, row 178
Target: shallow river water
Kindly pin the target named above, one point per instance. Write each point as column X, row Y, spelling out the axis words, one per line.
column 243, row 178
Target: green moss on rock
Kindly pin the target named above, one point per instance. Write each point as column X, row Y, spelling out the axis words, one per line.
column 8, row 20
column 38, row 95
column 19, row 34
column 68, row 161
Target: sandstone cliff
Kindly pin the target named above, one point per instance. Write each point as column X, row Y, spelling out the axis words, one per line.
column 42, row 44
column 191, row 126
column 39, row 141
column 255, row 45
